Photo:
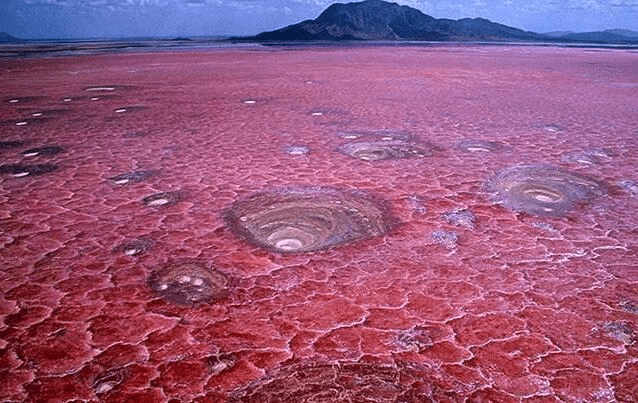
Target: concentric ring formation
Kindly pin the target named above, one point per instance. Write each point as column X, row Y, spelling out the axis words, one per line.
column 543, row 190
column 307, row 219
column 384, row 150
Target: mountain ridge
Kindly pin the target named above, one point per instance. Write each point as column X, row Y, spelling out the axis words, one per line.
column 378, row 20
column 5, row 37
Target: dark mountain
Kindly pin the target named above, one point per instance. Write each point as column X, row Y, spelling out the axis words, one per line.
column 380, row 20
column 608, row 36
column 624, row 32
column 556, row 34
column 5, row 37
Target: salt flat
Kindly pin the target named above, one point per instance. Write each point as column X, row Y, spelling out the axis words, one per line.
column 376, row 224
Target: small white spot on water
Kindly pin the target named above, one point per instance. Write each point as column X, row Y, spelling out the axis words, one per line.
column 36, row 114
column 120, row 110
column 101, row 89
column 13, row 101
column 473, row 149
column 21, row 123
column 20, row 174
column 543, row 198
column 289, row 244
column 33, row 154
column 158, row 202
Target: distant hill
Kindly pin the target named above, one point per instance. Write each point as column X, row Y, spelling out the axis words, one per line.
column 623, row 32
column 608, row 36
column 556, row 34
column 5, row 37
column 378, row 20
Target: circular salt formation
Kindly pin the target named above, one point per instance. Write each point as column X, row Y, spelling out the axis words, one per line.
column 189, row 283
column 24, row 100
column 162, row 199
column 375, row 135
column 107, row 88
column 131, row 177
column 296, row 150
column 294, row 220
column 472, row 146
column 129, row 109
column 20, row 170
column 384, row 150
column 134, row 247
column 543, row 190
column 49, row 150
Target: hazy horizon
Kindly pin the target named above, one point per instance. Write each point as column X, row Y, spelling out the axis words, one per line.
column 116, row 19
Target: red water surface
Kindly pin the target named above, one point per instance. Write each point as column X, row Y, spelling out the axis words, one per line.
column 506, row 307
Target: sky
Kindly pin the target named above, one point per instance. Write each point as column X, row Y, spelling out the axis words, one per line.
column 76, row 19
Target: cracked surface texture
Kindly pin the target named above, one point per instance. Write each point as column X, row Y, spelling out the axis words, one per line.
column 122, row 280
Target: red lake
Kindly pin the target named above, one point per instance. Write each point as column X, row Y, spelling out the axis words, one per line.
column 322, row 224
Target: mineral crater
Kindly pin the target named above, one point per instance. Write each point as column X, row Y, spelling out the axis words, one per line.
column 307, row 219
column 543, row 190
column 384, row 150
column 189, row 283
column 471, row 146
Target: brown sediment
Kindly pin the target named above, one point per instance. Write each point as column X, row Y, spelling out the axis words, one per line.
column 307, row 219
column 189, row 283
column 543, row 190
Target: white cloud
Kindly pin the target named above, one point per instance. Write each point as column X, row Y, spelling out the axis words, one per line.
column 585, row 4
column 623, row 3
